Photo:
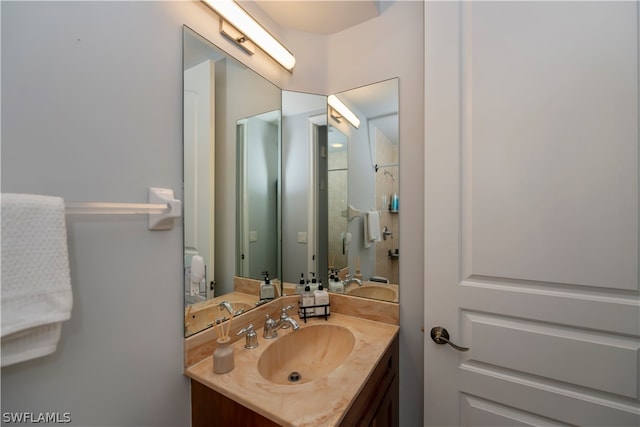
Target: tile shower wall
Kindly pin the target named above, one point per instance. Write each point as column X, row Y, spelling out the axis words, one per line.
column 386, row 185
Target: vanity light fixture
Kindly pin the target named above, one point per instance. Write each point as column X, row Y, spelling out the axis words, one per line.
column 248, row 29
column 342, row 111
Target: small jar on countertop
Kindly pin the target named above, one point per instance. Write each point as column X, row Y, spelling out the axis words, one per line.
column 223, row 356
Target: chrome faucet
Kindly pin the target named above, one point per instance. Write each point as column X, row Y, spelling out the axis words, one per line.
column 227, row 306
column 285, row 321
column 349, row 280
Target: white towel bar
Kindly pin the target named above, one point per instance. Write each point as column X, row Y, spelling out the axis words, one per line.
column 162, row 208
column 104, row 208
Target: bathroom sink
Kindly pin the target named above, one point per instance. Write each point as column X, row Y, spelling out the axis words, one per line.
column 307, row 354
column 377, row 292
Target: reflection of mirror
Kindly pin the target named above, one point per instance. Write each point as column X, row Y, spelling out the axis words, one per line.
column 334, row 183
column 373, row 179
column 222, row 97
column 337, row 195
column 362, row 172
column 258, row 196
column 304, row 123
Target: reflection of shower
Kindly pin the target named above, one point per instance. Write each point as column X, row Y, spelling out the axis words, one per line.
column 386, row 172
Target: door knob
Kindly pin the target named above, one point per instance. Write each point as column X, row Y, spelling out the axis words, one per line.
column 440, row 336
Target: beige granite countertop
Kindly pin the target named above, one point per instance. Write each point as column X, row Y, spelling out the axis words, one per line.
column 369, row 284
column 323, row 401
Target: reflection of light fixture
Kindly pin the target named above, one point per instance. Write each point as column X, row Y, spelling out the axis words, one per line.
column 342, row 111
column 336, row 145
column 248, row 28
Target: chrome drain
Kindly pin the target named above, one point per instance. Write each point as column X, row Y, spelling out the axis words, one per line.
column 294, row 377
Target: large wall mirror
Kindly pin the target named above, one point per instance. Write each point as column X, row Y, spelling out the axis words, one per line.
column 338, row 178
column 360, row 172
column 232, row 181
column 273, row 183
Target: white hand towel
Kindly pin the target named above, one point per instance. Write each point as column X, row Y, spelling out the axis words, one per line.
column 365, row 222
column 371, row 228
column 36, row 284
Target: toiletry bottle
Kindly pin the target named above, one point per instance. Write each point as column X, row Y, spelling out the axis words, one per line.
column 314, row 282
column 267, row 290
column 306, row 300
column 335, row 285
column 395, row 203
column 321, row 297
column 301, row 284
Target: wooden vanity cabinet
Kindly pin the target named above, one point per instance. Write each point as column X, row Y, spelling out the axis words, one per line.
column 210, row 409
column 376, row 405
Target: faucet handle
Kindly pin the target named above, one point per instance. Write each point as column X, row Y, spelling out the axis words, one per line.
column 284, row 316
column 251, row 340
column 269, row 330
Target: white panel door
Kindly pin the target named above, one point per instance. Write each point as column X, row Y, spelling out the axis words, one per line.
column 199, row 120
column 531, row 253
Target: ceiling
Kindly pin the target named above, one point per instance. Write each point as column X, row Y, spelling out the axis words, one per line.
column 319, row 16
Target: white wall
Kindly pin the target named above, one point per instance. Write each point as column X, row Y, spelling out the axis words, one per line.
column 92, row 110
column 295, row 185
column 262, row 180
column 361, row 192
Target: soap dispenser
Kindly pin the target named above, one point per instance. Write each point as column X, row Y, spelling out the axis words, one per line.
column 267, row 290
column 301, row 285
column 335, row 285
column 314, row 282
column 321, row 301
column 307, row 301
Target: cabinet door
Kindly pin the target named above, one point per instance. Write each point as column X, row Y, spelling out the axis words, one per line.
column 387, row 412
column 211, row 409
column 381, row 390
